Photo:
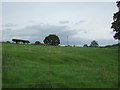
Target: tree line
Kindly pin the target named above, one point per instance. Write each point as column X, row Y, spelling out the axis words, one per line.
column 93, row 44
column 53, row 40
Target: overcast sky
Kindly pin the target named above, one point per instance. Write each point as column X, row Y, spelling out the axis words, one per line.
column 82, row 22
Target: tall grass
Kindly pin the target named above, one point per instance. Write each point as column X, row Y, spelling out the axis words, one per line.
column 65, row 67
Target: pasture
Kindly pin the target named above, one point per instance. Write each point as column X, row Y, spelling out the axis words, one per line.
column 31, row 66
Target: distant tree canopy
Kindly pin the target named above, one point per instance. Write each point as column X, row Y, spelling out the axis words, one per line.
column 37, row 42
column 85, row 45
column 116, row 23
column 52, row 40
column 19, row 40
column 7, row 41
column 94, row 44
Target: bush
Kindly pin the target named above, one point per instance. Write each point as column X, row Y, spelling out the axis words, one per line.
column 37, row 42
column 85, row 45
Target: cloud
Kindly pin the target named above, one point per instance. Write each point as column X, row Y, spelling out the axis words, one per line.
column 31, row 21
column 39, row 32
column 63, row 22
column 81, row 21
column 10, row 25
column 85, row 32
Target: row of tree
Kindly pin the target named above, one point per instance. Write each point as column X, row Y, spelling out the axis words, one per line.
column 52, row 40
column 55, row 41
column 93, row 44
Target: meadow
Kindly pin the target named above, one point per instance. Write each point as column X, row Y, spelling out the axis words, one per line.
column 32, row 66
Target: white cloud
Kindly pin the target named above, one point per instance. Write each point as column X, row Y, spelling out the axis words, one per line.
column 63, row 22
column 31, row 21
column 10, row 25
column 81, row 21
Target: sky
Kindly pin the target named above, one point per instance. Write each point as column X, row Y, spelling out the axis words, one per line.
column 58, row 0
column 82, row 22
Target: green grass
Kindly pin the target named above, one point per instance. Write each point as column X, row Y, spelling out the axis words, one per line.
column 59, row 67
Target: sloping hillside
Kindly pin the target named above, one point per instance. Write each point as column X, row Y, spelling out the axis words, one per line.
column 65, row 67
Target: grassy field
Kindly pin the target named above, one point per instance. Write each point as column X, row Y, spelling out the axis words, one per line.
column 30, row 66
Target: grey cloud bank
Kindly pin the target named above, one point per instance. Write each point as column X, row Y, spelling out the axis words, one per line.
column 81, row 21
column 10, row 25
column 63, row 22
column 39, row 32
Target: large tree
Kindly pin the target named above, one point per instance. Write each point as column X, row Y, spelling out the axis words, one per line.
column 94, row 44
column 52, row 40
column 116, row 23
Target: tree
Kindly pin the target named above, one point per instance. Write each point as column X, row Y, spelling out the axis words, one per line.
column 23, row 41
column 37, row 42
column 52, row 40
column 116, row 23
column 85, row 45
column 94, row 44
column 19, row 40
column 7, row 41
column 27, row 41
column 16, row 40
